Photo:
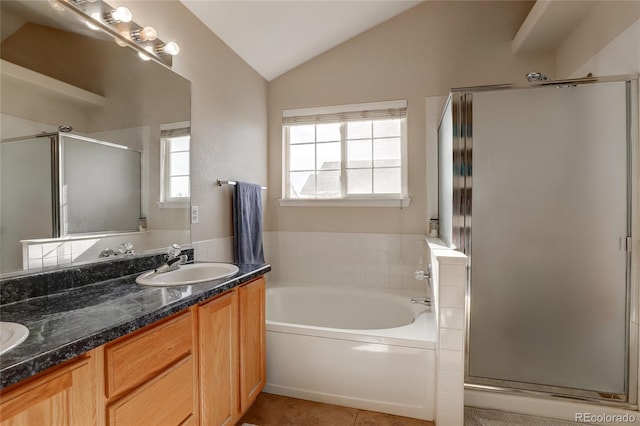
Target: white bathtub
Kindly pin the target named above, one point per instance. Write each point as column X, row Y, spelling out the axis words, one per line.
column 365, row 349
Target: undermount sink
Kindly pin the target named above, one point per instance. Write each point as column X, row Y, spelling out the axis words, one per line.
column 11, row 335
column 188, row 274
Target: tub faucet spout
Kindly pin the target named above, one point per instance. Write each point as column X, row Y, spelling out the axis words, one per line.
column 422, row 300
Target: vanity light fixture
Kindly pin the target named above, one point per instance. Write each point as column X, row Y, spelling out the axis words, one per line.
column 56, row 6
column 119, row 14
column 144, row 34
column 122, row 43
column 96, row 16
column 126, row 32
column 146, row 57
column 169, row 48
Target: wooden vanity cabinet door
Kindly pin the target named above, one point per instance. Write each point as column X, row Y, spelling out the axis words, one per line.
column 252, row 341
column 218, row 337
column 151, row 374
column 64, row 396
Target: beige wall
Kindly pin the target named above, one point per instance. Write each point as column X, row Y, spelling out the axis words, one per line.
column 603, row 24
column 423, row 52
column 228, row 111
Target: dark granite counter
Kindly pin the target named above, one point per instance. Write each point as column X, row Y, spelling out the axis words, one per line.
column 67, row 323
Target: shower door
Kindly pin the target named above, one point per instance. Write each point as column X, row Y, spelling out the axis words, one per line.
column 26, row 209
column 547, row 219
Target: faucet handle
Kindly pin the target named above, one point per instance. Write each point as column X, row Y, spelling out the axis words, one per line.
column 126, row 248
column 174, row 251
column 424, row 275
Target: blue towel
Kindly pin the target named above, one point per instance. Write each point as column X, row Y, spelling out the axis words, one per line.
column 247, row 223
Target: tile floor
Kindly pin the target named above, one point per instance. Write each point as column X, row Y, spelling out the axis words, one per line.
column 275, row 410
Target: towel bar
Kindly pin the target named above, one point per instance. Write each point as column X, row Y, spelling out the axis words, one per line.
column 221, row 182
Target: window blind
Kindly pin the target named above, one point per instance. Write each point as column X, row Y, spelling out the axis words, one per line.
column 346, row 113
column 174, row 133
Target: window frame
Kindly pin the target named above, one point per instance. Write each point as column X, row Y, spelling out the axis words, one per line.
column 401, row 199
column 166, row 200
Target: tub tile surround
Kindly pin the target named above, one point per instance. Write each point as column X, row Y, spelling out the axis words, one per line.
column 449, row 278
column 381, row 261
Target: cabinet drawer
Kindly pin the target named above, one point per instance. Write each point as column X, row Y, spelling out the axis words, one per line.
column 134, row 360
column 166, row 400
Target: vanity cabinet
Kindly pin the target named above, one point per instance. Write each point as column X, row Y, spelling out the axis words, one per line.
column 63, row 395
column 204, row 365
column 151, row 374
column 231, row 332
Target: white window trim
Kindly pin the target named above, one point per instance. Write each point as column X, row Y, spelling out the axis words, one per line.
column 360, row 200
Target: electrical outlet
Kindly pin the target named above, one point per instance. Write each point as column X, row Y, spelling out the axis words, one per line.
column 195, row 214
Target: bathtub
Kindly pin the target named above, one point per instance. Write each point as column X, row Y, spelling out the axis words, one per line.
column 366, row 349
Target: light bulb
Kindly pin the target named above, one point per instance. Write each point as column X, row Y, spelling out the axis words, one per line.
column 120, row 14
column 146, row 57
column 170, row 48
column 145, row 34
column 149, row 33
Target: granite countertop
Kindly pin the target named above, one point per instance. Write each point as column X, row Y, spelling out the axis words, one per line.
column 66, row 324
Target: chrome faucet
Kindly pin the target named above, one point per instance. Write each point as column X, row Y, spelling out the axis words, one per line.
column 174, row 260
column 424, row 275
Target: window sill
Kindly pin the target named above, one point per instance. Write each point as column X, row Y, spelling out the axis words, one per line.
column 173, row 204
column 369, row 202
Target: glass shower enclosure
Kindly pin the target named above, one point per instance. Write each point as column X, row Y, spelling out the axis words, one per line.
column 55, row 185
column 536, row 187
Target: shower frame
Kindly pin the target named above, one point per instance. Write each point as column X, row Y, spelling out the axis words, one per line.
column 459, row 237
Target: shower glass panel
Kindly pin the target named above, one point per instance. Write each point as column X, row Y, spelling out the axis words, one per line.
column 101, row 186
column 25, row 196
column 547, row 184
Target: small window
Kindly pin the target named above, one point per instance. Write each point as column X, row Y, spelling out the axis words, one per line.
column 346, row 153
column 175, row 170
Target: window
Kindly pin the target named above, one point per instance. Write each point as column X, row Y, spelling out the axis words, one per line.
column 347, row 153
column 175, row 170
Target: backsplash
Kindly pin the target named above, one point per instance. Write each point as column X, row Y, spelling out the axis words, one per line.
column 46, row 282
column 386, row 261
column 214, row 250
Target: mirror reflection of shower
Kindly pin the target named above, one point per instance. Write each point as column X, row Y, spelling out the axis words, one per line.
column 76, row 186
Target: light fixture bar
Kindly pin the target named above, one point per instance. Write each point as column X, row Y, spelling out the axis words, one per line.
column 118, row 23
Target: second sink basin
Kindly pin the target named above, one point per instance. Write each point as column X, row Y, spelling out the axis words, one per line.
column 11, row 335
column 189, row 274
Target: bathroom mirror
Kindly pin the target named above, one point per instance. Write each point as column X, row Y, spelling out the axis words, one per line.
column 58, row 70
